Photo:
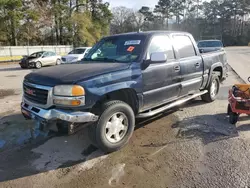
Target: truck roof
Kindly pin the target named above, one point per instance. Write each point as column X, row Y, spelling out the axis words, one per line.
column 209, row 40
column 146, row 33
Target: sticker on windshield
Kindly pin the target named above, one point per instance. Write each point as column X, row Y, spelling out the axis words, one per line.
column 130, row 48
column 132, row 42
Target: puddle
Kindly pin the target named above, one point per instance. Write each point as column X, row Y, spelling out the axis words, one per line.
column 16, row 131
column 6, row 92
column 117, row 173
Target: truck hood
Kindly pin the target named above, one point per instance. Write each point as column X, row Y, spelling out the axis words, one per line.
column 72, row 73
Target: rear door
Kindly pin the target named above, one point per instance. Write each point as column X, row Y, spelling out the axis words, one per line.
column 161, row 81
column 191, row 63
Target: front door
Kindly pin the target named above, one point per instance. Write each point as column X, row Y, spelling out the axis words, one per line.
column 191, row 64
column 48, row 58
column 161, row 81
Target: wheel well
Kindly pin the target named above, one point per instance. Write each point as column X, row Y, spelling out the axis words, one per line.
column 128, row 96
column 219, row 71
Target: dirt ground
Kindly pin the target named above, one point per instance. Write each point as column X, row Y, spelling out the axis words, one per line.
column 192, row 146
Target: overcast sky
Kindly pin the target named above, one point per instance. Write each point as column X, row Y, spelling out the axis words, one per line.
column 132, row 3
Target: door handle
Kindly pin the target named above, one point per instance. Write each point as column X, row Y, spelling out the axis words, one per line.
column 177, row 68
column 197, row 65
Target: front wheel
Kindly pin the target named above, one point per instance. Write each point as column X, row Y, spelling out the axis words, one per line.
column 38, row 65
column 233, row 118
column 213, row 89
column 114, row 127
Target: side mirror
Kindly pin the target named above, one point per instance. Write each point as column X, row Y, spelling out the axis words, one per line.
column 158, row 57
column 201, row 51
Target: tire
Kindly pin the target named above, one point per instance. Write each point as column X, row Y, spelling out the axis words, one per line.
column 229, row 109
column 212, row 93
column 114, row 128
column 233, row 118
column 62, row 126
column 38, row 65
column 58, row 62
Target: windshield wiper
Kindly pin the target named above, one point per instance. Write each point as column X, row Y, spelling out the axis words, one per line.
column 110, row 60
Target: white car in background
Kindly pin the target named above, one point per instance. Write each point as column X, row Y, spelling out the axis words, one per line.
column 75, row 55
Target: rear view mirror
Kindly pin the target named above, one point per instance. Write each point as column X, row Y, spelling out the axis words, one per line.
column 158, row 57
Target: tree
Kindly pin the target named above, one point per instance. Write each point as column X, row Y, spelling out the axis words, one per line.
column 120, row 21
column 163, row 10
column 11, row 15
column 98, row 17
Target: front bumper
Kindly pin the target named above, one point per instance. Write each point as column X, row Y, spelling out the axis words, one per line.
column 32, row 112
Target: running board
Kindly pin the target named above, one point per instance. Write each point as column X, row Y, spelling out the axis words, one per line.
column 169, row 106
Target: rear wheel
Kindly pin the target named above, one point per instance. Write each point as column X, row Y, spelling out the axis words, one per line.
column 213, row 89
column 233, row 118
column 38, row 65
column 229, row 109
column 114, row 128
column 58, row 62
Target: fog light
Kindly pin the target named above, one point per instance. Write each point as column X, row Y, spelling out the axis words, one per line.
column 66, row 102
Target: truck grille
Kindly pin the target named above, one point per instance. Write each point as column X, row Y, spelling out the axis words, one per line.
column 35, row 95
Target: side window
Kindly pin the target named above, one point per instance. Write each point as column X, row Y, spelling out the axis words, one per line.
column 52, row 54
column 161, row 44
column 46, row 54
column 185, row 46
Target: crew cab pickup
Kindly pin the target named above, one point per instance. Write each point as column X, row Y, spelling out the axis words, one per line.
column 123, row 77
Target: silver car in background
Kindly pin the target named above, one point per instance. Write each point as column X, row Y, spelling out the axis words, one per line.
column 76, row 55
column 40, row 59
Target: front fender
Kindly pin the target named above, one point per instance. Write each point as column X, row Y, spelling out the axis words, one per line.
column 213, row 67
column 99, row 86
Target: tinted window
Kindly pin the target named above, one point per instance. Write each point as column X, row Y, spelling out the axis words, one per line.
column 37, row 54
column 185, row 46
column 161, row 44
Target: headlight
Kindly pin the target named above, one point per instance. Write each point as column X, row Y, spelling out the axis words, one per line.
column 69, row 90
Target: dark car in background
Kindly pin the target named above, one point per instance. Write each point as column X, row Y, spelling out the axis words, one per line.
column 206, row 46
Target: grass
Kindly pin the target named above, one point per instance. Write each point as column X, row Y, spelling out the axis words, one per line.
column 9, row 58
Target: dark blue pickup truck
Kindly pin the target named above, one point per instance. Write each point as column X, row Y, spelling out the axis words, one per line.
column 123, row 77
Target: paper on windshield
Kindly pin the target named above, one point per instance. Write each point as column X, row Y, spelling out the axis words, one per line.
column 132, row 42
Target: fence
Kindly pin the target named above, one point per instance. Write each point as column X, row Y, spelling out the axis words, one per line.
column 14, row 53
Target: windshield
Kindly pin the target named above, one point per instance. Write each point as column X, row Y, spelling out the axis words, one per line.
column 123, row 49
column 77, row 51
column 204, row 44
column 37, row 54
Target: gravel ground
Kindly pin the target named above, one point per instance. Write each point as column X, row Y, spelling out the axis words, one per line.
column 192, row 146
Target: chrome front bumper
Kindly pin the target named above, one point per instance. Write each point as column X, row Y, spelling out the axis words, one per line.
column 33, row 112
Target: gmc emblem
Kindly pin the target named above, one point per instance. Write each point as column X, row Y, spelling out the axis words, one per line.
column 30, row 92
